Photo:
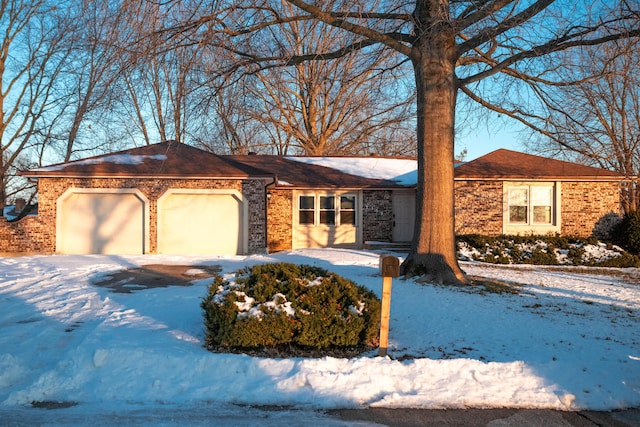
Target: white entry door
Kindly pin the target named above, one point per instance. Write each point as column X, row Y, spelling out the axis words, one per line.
column 404, row 208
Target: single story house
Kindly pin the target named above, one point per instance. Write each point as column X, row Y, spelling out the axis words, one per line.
column 174, row 198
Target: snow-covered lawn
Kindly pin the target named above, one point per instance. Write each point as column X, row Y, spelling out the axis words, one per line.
column 569, row 340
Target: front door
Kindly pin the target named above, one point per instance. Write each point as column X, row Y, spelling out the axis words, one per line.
column 404, row 208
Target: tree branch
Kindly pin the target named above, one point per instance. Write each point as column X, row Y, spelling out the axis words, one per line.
column 552, row 46
column 335, row 20
column 506, row 25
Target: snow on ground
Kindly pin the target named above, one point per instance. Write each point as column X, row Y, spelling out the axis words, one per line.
column 569, row 340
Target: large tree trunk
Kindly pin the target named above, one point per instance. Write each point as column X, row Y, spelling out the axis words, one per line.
column 433, row 251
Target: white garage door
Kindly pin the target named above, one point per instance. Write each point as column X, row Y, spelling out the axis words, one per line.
column 200, row 223
column 100, row 223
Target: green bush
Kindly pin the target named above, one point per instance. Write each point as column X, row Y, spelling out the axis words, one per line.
column 546, row 250
column 627, row 233
column 300, row 307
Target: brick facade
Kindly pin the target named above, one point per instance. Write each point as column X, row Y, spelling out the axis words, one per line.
column 590, row 208
column 38, row 233
column 280, row 220
column 587, row 209
column 377, row 216
column 478, row 207
column 29, row 235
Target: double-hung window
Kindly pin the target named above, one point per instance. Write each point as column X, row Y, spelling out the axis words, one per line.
column 531, row 205
column 306, row 213
column 327, row 209
column 348, row 209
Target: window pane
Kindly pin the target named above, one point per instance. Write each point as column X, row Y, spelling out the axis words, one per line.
column 518, row 197
column 307, row 202
column 542, row 214
column 541, row 201
column 327, row 202
column 518, row 214
column 347, row 217
column 541, row 196
column 347, row 202
column 328, row 217
column 306, row 217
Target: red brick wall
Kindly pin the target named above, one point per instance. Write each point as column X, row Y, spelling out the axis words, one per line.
column 377, row 216
column 587, row 208
column 478, row 207
column 280, row 220
column 590, row 208
column 37, row 234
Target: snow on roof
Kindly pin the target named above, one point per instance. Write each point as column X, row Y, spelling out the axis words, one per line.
column 402, row 171
column 120, row 159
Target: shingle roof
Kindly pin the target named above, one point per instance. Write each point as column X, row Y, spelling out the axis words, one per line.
column 176, row 160
column 294, row 174
column 165, row 159
column 507, row 164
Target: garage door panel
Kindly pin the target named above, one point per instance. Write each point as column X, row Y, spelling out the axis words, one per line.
column 200, row 224
column 101, row 223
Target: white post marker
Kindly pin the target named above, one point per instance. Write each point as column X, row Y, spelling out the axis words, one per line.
column 389, row 268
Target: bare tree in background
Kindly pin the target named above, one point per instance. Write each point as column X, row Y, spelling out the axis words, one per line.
column 227, row 125
column 597, row 120
column 95, row 32
column 158, row 83
column 339, row 106
column 453, row 45
column 31, row 56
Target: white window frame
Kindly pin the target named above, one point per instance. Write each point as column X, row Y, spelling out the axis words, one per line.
column 530, row 225
column 318, row 208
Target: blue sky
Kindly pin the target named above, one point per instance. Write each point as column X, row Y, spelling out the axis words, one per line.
column 484, row 135
column 481, row 141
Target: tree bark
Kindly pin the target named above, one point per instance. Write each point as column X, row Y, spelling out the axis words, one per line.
column 433, row 251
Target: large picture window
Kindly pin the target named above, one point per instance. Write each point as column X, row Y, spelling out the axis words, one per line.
column 327, row 209
column 530, row 205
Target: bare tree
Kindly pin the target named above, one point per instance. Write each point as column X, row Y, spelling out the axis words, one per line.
column 160, row 86
column 453, row 45
column 227, row 125
column 597, row 120
column 31, row 58
column 340, row 106
column 94, row 39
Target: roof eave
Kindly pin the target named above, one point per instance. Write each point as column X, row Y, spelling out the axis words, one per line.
column 541, row 178
column 337, row 187
column 151, row 176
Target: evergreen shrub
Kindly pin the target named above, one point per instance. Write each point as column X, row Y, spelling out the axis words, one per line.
column 279, row 307
column 556, row 250
column 627, row 233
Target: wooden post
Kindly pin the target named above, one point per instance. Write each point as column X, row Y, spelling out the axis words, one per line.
column 389, row 268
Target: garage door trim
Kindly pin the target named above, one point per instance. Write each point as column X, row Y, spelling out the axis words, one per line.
column 75, row 190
